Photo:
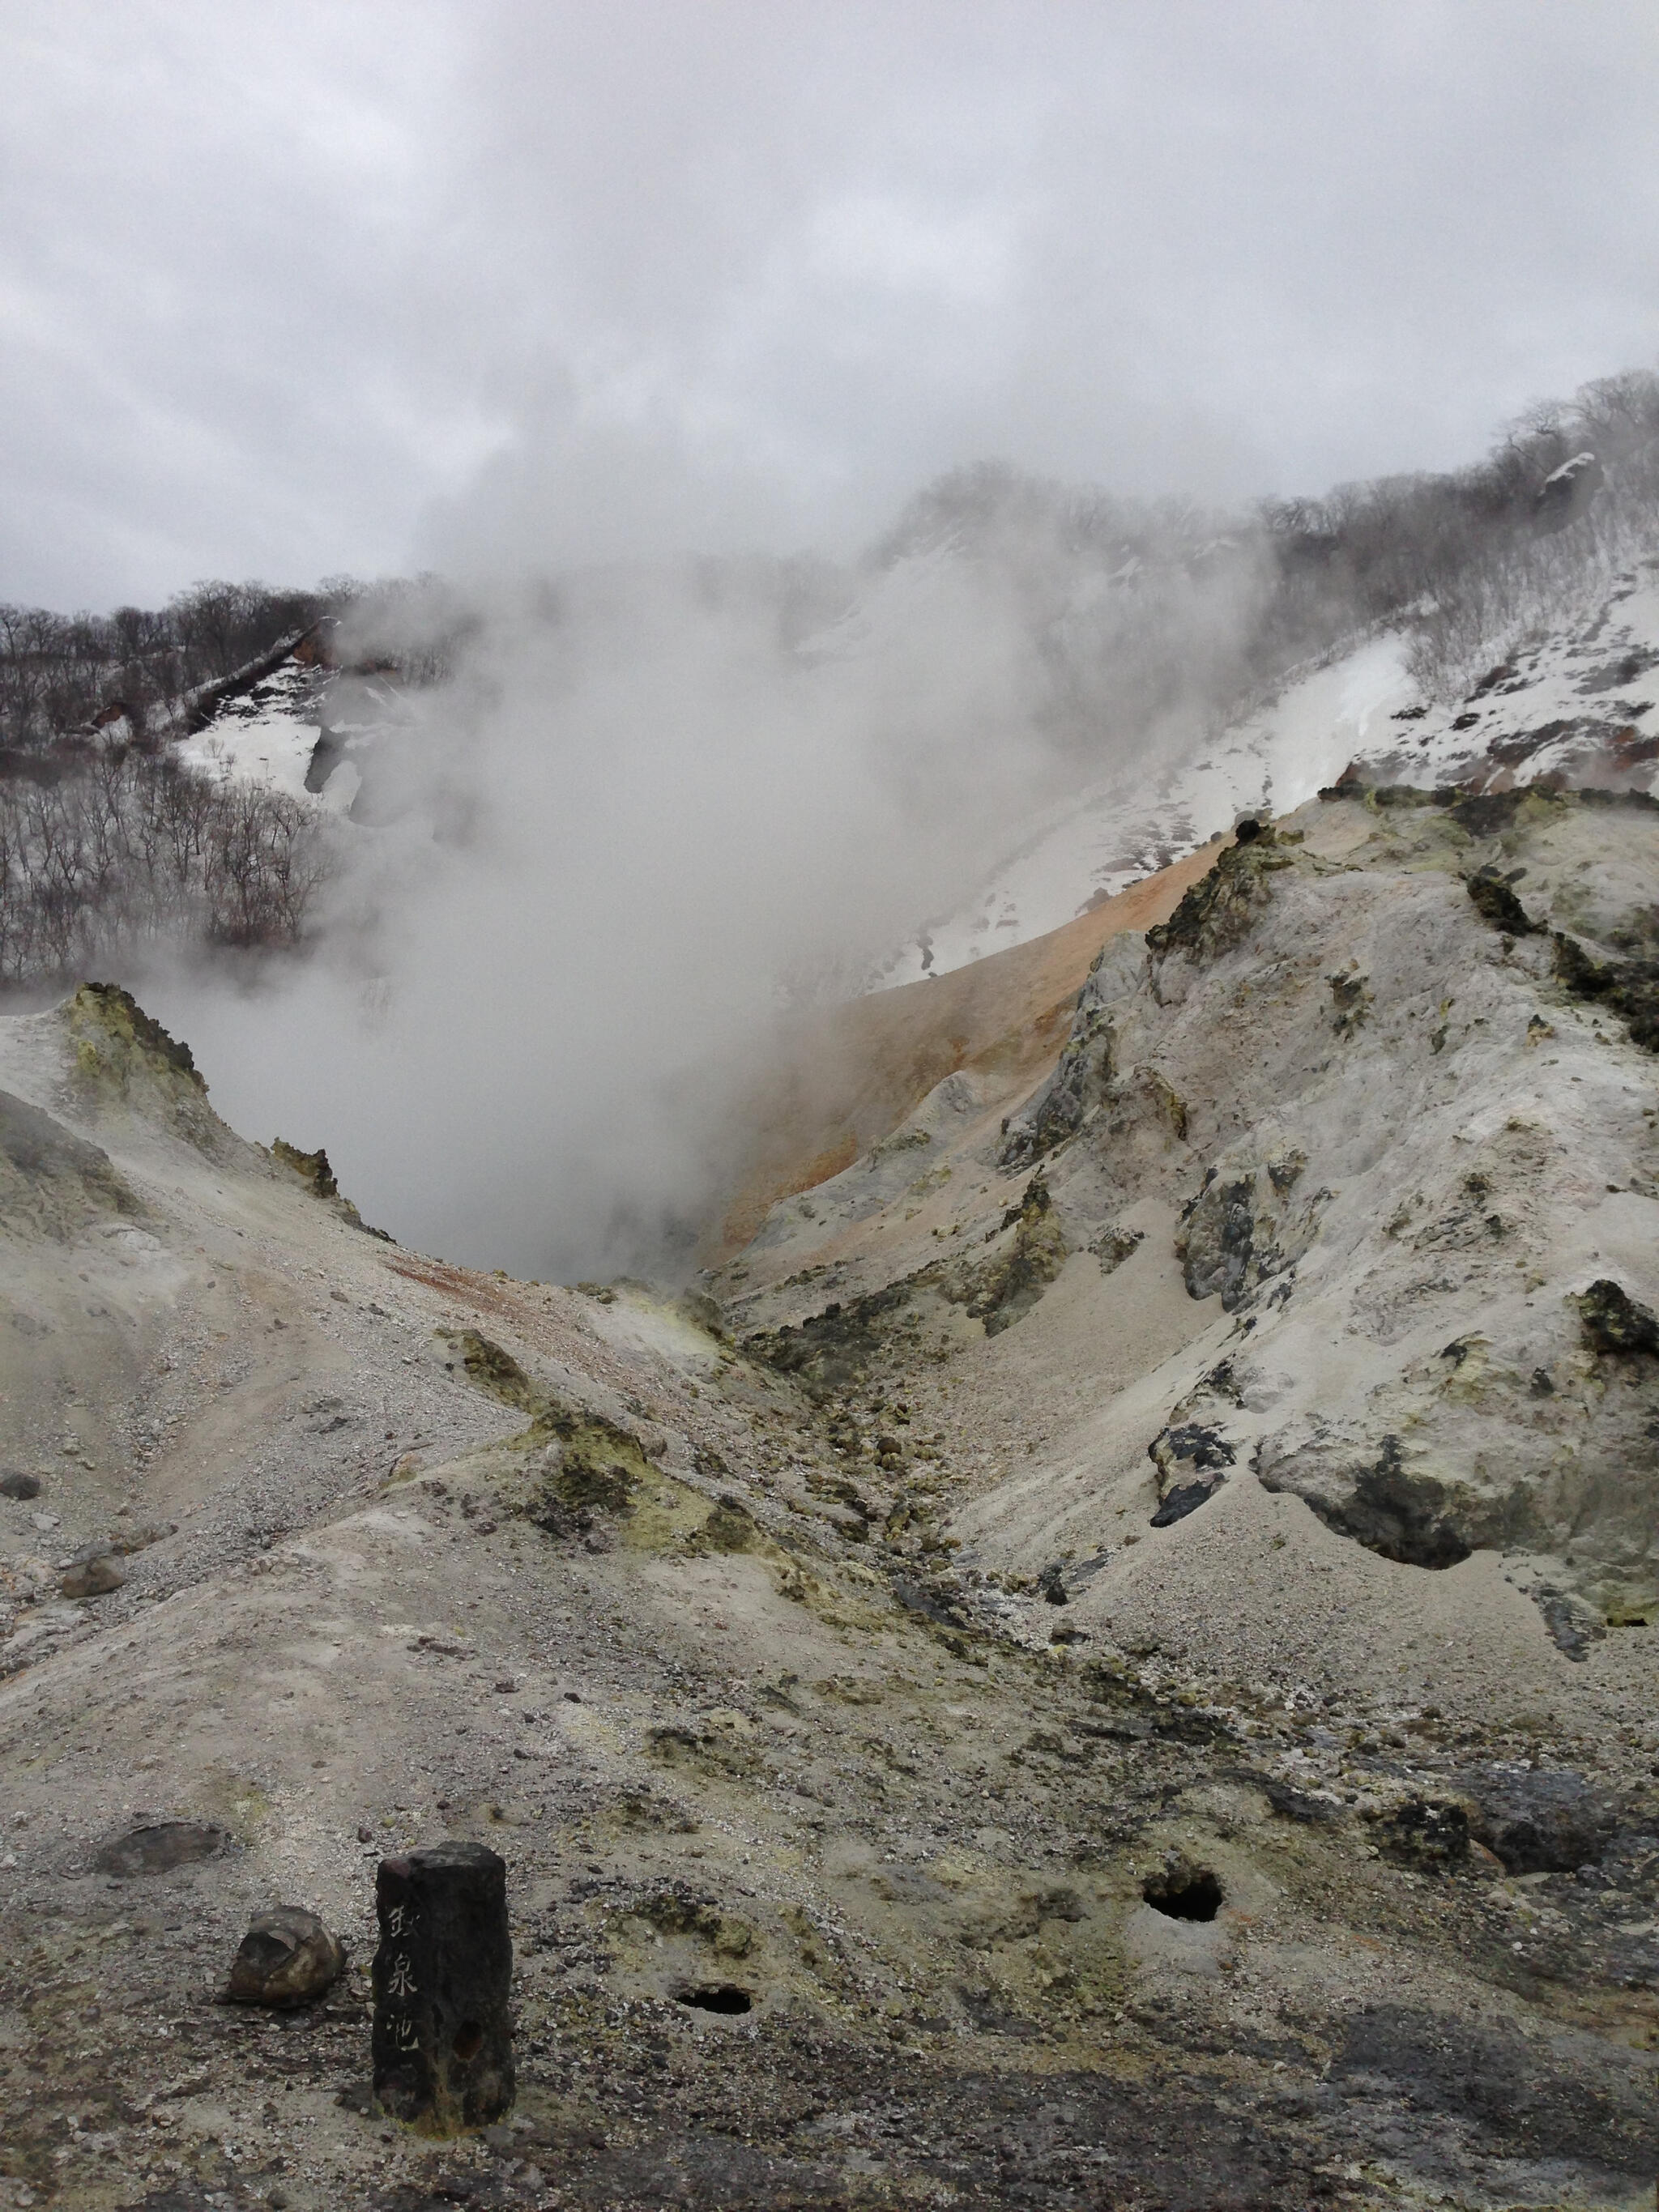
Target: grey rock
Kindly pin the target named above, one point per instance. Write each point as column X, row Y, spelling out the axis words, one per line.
column 54, row 1183
column 1242, row 1228
column 159, row 1846
column 92, row 1577
column 287, row 1958
column 1543, row 1821
column 1192, row 1458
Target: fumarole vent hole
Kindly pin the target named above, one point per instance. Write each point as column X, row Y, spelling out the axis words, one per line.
column 715, row 1996
column 1184, row 1893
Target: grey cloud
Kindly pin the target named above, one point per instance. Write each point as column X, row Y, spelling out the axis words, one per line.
column 289, row 290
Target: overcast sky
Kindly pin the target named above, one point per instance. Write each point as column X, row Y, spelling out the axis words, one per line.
column 290, row 289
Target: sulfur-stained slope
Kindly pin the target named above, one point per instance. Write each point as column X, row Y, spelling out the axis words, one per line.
column 837, row 1875
column 843, row 1081
column 1322, row 1204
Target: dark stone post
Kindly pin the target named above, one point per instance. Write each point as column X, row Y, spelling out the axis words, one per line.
column 443, row 2041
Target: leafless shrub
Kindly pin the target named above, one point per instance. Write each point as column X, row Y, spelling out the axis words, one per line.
column 416, row 626
column 130, row 848
column 1469, row 562
column 264, row 859
column 58, row 673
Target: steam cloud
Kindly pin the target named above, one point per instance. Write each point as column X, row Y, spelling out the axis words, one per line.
column 653, row 806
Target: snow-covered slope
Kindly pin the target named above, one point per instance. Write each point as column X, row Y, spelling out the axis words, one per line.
column 1578, row 705
column 303, row 729
column 1575, row 705
column 267, row 735
column 1128, row 826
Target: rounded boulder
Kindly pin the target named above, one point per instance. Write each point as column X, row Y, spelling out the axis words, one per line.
column 287, row 1958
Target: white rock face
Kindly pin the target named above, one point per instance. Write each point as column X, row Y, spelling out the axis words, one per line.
column 1391, row 1153
column 1440, row 1154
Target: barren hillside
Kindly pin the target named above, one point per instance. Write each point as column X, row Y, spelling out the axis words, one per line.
column 1110, row 1667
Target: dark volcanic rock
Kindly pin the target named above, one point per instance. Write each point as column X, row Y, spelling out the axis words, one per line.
column 1186, row 1497
column 1613, row 1321
column 1504, row 2095
column 1630, row 987
column 1548, row 1822
column 1498, row 904
column 1191, row 1459
column 1573, row 1623
column 1422, row 1833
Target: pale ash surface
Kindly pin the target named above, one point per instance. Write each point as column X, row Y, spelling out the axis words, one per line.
column 676, row 1622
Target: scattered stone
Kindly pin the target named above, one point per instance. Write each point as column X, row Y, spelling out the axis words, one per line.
column 287, row 1958
column 94, row 1577
column 1574, row 1625
column 15, row 1484
column 159, row 1846
column 443, row 2038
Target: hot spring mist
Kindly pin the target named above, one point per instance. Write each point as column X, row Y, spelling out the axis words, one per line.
column 652, row 810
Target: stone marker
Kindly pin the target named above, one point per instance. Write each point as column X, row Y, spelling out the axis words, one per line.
column 443, row 2040
column 287, row 1958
